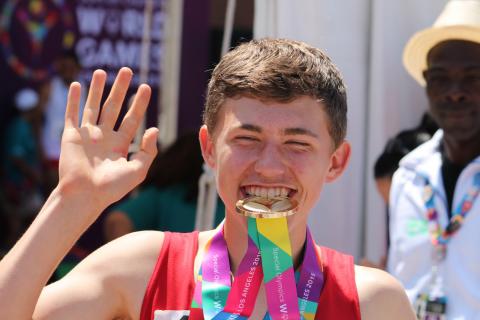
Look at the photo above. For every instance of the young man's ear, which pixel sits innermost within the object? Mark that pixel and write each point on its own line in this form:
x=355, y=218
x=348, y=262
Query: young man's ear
x=206, y=144
x=338, y=161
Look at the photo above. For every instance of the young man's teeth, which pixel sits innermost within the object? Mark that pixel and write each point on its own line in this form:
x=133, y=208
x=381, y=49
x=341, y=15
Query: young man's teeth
x=264, y=192
x=267, y=192
x=272, y=192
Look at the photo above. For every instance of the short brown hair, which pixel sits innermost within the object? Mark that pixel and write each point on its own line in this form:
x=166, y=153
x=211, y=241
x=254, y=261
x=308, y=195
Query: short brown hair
x=279, y=70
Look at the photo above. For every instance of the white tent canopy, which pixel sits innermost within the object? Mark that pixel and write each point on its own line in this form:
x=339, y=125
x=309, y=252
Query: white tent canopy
x=365, y=39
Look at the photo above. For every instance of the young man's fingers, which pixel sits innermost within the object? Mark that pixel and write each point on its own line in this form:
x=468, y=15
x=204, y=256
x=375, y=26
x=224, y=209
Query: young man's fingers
x=142, y=160
x=149, y=142
x=135, y=114
x=73, y=102
x=113, y=104
x=92, y=106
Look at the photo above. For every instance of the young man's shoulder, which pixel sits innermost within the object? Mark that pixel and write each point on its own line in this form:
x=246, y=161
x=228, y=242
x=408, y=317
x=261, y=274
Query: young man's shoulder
x=110, y=281
x=131, y=259
x=381, y=295
x=141, y=246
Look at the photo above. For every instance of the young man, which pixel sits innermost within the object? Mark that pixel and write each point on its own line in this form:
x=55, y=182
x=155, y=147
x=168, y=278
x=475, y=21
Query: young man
x=275, y=123
x=435, y=211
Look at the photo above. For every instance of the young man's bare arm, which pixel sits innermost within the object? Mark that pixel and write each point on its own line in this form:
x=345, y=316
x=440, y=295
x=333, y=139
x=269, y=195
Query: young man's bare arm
x=94, y=172
x=108, y=284
x=381, y=296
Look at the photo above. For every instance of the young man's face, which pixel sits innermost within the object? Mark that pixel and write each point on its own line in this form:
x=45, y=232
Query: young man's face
x=453, y=88
x=272, y=148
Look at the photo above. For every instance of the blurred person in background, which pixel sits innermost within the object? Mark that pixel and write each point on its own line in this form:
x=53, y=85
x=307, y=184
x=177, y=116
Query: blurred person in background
x=53, y=95
x=22, y=178
x=167, y=199
x=386, y=165
x=434, y=203
x=398, y=147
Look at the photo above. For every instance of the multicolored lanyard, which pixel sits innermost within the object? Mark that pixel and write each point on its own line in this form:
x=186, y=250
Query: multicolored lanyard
x=432, y=302
x=439, y=237
x=268, y=251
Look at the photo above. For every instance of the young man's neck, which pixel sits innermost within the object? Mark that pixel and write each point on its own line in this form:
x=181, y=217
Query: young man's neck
x=236, y=233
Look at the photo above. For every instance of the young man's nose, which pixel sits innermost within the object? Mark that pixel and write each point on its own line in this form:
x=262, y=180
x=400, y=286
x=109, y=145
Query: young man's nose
x=270, y=162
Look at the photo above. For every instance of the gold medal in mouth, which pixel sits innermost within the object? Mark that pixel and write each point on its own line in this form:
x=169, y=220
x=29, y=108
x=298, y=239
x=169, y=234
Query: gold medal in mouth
x=262, y=207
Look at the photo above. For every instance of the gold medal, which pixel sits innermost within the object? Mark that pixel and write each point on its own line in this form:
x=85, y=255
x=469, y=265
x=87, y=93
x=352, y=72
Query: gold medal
x=260, y=207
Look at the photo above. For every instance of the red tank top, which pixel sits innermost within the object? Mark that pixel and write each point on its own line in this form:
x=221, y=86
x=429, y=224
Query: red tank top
x=171, y=285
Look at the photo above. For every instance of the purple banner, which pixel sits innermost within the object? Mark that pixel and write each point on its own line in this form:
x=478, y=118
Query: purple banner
x=105, y=34
x=110, y=36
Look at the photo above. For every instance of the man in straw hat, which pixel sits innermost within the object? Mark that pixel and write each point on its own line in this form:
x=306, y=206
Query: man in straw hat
x=275, y=123
x=435, y=211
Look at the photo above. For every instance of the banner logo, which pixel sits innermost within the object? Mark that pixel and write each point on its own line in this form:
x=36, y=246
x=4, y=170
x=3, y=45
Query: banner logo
x=37, y=24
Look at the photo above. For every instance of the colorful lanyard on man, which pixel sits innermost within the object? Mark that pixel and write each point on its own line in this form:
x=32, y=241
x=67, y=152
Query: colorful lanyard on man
x=268, y=251
x=432, y=303
x=439, y=237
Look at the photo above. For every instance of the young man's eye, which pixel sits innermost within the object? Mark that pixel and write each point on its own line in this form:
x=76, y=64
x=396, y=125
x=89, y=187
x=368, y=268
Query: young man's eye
x=298, y=144
x=246, y=139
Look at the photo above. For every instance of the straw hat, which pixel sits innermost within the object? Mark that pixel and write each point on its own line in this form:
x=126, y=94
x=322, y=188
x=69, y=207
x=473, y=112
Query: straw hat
x=459, y=20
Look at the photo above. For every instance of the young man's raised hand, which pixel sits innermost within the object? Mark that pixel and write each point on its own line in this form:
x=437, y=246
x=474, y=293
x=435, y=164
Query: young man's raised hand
x=94, y=172
x=94, y=156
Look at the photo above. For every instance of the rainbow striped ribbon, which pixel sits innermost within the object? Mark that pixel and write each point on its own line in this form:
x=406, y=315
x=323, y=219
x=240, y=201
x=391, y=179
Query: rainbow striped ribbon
x=279, y=277
x=268, y=251
x=439, y=237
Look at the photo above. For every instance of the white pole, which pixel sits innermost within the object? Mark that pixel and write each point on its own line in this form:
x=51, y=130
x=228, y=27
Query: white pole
x=170, y=72
x=228, y=26
x=207, y=191
x=146, y=37
x=144, y=65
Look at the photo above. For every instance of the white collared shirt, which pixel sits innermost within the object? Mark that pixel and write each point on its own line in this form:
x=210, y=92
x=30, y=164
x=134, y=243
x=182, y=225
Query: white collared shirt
x=410, y=253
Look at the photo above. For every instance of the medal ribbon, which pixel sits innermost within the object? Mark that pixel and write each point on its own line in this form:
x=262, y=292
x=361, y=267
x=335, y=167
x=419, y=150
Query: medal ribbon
x=279, y=276
x=268, y=251
x=439, y=237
